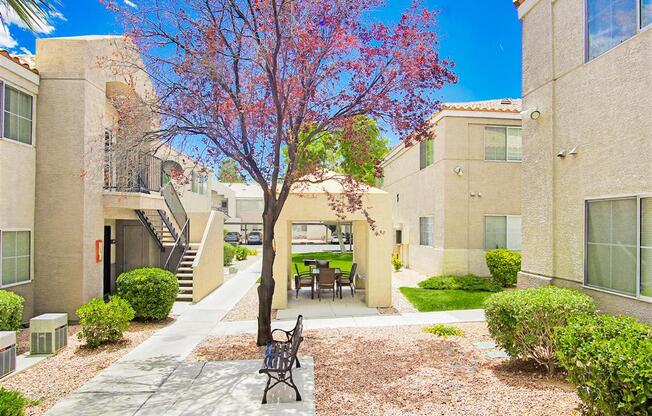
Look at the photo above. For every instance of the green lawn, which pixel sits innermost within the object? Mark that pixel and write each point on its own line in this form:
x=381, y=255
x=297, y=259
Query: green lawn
x=428, y=300
x=340, y=261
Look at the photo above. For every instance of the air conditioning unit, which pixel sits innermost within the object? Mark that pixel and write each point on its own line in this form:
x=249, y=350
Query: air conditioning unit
x=48, y=333
x=7, y=352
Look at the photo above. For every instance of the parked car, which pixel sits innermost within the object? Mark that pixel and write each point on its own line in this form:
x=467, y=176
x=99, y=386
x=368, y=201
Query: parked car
x=255, y=237
x=345, y=236
x=232, y=237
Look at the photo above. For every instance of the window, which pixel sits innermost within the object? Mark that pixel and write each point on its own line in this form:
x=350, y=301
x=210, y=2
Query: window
x=426, y=153
x=300, y=228
x=399, y=236
x=203, y=184
x=502, y=231
x=611, y=22
x=244, y=205
x=503, y=143
x=613, y=251
x=425, y=231
x=16, y=253
x=17, y=115
x=198, y=183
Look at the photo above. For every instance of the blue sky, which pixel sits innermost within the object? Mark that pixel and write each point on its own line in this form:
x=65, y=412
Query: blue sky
x=484, y=40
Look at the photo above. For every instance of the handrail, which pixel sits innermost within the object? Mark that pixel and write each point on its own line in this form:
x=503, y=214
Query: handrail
x=175, y=205
x=185, y=233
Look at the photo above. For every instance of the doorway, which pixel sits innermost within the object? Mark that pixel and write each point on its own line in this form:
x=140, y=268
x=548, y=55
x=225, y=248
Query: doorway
x=107, y=260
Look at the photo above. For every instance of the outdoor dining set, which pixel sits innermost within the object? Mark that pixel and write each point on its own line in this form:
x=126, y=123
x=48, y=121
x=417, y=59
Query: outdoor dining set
x=321, y=276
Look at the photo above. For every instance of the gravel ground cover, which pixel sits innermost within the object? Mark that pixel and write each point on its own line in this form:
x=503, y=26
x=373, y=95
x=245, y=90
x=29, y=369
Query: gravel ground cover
x=404, y=371
x=54, y=378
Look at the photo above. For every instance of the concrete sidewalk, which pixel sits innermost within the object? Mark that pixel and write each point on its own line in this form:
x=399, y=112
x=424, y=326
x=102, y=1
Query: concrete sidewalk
x=125, y=386
x=417, y=318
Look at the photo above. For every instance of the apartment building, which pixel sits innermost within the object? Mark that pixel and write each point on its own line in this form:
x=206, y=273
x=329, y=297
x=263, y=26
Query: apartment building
x=458, y=194
x=242, y=204
x=587, y=159
x=74, y=211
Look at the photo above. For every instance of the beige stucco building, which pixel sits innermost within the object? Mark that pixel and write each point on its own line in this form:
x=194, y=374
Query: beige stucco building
x=458, y=194
x=75, y=212
x=587, y=157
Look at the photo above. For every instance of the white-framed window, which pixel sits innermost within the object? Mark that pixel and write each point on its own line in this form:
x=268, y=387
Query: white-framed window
x=611, y=22
x=17, y=114
x=502, y=231
x=425, y=231
x=203, y=184
x=15, y=257
x=503, y=143
x=426, y=153
x=618, y=251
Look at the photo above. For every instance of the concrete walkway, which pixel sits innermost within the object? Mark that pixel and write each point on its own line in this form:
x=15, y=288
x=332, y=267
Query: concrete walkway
x=417, y=318
x=125, y=386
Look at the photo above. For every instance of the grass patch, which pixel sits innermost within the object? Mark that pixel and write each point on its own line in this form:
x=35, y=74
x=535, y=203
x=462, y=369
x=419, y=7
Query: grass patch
x=444, y=331
x=427, y=300
x=468, y=282
x=340, y=261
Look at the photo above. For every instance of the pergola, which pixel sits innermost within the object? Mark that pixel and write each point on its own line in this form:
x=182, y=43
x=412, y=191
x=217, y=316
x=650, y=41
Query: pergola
x=372, y=250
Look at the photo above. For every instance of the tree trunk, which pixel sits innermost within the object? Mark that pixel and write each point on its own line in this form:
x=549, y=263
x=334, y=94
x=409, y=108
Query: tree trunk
x=266, y=287
x=338, y=228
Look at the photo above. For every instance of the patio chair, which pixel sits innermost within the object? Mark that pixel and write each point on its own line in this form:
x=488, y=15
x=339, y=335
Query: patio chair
x=349, y=280
x=322, y=264
x=303, y=279
x=326, y=280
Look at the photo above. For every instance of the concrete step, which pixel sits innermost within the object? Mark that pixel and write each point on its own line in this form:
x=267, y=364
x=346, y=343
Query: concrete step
x=185, y=283
x=184, y=269
x=184, y=275
x=184, y=297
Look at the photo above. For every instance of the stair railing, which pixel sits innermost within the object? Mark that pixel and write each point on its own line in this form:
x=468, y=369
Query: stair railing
x=179, y=249
x=180, y=216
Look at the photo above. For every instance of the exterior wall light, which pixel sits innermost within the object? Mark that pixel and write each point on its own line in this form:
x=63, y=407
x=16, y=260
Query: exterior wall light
x=562, y=154
x=534, y=113
x=459, y=170
x=573, y=151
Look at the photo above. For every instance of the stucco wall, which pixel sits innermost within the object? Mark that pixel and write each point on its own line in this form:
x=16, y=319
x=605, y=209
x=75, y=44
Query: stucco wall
x=208, y=268
x=602, y=107
x=458, y=236
x=18, y=175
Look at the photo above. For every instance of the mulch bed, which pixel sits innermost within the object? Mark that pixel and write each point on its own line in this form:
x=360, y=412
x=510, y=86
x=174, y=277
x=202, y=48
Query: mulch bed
x=54, y=378
x=404, y=371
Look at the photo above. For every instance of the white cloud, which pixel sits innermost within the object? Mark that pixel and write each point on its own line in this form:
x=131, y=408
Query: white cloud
x=25, y=51
x=131, y=4
x=9, y=18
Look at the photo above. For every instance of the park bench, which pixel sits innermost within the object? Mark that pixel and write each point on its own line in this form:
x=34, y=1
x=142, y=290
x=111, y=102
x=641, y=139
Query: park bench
x=280, y=358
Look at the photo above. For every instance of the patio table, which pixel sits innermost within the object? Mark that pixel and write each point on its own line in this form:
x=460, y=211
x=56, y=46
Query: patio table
x=315, y=276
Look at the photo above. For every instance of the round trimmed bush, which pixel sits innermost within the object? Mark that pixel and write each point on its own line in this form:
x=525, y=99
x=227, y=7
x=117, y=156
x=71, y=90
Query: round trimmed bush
x=104, y=322
x=504, y=266
x=241, y=253
x=150, y=291
x=12, y=403
x=11, y=311
x=229, y=253
x=523, y=321
x=609, y=360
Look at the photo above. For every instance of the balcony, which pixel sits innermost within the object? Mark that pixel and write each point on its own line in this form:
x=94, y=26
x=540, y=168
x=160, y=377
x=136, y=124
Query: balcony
x=130, y=171
x=132, y=181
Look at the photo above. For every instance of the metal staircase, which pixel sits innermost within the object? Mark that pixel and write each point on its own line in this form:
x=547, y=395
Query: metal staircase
x=159, y=226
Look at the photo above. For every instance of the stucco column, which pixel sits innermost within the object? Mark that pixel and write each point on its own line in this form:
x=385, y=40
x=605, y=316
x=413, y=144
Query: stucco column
x=282, y=262
x=379, y=271
x=360, y=256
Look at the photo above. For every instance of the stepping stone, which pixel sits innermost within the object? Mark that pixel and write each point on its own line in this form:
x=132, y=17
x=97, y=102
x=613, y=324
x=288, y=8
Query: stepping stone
x=487, y=345
x=497, y=354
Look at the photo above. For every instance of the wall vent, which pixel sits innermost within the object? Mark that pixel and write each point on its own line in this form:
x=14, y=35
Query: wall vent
x=49, y=333
x=506, y=101
x=7, y=352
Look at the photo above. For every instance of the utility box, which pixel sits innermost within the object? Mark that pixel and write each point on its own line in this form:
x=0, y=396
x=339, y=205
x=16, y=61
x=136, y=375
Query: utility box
x=48, y=333
x=7, y=352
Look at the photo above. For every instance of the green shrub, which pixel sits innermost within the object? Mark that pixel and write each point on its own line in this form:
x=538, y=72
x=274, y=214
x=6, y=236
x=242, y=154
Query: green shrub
x=396, y=262
x=104, y=322
x=504, y=265
x=469, y=282
x=522, y=321
x=241, y=253
x=12, y=403
x=229, y=253
x=609, y=360
x=11, y=311
x=444, y=331
x=150, y=291
x=252, y=251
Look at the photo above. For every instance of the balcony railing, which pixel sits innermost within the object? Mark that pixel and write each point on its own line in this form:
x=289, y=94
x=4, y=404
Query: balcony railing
x=131, y=171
